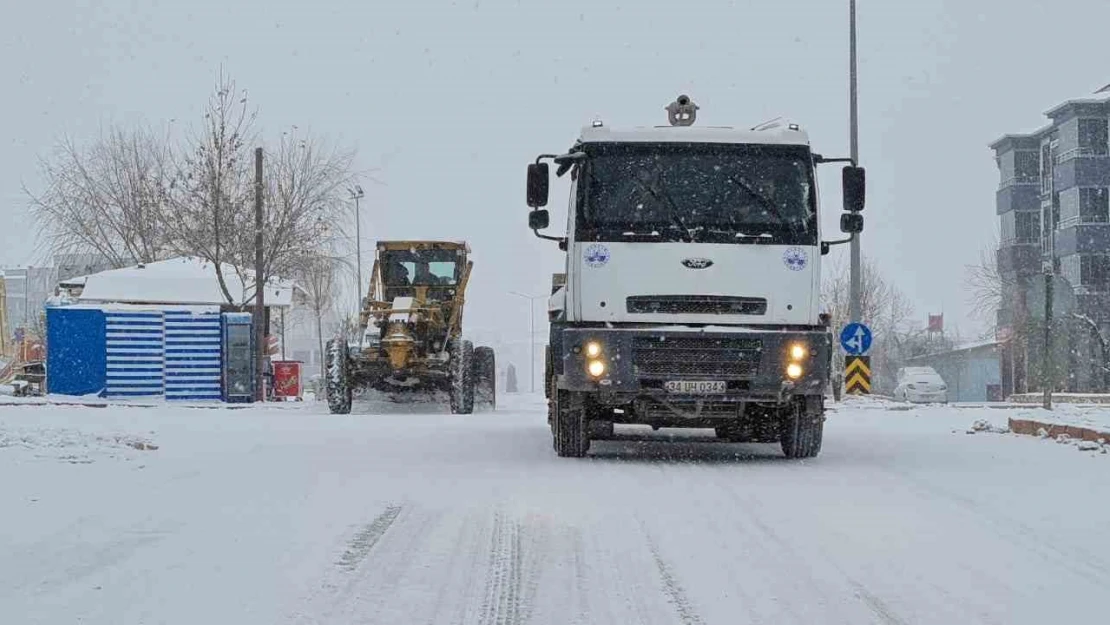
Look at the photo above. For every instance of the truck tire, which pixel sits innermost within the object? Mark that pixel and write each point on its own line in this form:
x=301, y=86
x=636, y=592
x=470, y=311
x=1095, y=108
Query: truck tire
x=802, y=428
x=462, y=377
x=572, y=436
x=338, y=370
x=549, y=387
x=485, y=377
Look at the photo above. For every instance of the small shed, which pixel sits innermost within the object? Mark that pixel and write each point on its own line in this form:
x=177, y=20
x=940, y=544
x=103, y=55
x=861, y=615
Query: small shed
x=150, y=330
x=122, y=351
x=973, y=372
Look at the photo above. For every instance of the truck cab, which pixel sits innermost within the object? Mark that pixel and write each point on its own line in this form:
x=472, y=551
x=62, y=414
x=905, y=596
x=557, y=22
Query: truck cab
x=690, y=295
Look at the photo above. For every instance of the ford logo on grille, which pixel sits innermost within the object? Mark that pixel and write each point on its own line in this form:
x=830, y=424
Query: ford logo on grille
x=697, y=263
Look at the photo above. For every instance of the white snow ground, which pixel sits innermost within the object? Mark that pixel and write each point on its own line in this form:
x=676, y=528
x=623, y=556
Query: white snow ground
x=295, y=516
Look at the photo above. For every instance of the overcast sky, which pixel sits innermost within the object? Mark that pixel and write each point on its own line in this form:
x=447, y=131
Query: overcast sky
x=450, y=101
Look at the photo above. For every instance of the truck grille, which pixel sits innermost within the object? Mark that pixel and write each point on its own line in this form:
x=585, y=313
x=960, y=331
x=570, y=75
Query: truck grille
x=696, y=357
x=696, y=305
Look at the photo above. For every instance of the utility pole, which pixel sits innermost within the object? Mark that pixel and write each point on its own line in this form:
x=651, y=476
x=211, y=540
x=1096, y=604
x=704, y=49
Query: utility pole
x=531, y=333
x=357, y=194
x=855, y=290
x=259, y=290
x=1046, y=377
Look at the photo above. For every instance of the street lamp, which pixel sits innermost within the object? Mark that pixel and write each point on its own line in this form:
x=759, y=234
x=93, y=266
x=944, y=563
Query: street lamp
x=855, y=276
x=531, y=332
x=356, y=195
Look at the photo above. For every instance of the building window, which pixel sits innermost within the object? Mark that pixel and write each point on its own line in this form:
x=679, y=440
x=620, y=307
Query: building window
x=1095, y=271
x=1094, y=205
x=1027, y=166
x=1090, y=271
x=1046, y=168
x=1093, y=137
x=1021, y=227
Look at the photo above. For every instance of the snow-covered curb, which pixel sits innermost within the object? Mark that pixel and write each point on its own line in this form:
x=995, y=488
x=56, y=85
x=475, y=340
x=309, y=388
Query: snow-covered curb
x=1034, y=427
x=1088, y=428
x=1062, y=398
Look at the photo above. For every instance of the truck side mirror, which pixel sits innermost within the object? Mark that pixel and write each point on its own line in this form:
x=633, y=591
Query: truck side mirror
x=538, y=219
x=851, y=223
x=538, y=178
x=853, y=181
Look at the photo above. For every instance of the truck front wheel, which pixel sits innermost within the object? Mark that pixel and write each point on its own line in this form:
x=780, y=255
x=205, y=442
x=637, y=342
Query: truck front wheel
x=571, y=432
x=338, y=382
x=461, y=376
x=802, y=427
x=485, y=377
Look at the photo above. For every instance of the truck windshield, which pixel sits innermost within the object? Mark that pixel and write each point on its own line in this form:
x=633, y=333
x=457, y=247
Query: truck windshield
x=711, y=193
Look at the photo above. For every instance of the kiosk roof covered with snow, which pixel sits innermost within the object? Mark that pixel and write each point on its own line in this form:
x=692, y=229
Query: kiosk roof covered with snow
x=187, y=281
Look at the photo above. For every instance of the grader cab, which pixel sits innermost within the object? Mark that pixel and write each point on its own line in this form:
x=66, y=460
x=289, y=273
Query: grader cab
x=410, y=331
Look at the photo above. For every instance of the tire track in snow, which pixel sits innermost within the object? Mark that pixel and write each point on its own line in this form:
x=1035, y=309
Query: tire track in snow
x=877, y=606
x=360, y=592
x=359, y=546
x=503, y=603
x=676, y=594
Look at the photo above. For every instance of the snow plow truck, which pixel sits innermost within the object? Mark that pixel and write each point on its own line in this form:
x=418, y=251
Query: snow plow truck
x=691, y=295
x=410, y=337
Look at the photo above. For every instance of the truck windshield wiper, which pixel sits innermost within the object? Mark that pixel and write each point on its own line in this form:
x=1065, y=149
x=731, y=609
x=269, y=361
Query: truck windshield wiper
x=672, y=210
x=766, y=203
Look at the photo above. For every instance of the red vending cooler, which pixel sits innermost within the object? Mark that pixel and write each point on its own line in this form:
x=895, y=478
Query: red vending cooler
x=287, y=380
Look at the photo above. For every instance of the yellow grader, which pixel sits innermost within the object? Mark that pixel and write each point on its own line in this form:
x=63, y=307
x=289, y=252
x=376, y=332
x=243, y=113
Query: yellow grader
x=410, y=332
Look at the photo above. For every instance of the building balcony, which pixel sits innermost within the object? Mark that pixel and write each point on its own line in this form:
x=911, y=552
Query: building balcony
x=1083, y=169
x=1019, y=258
x=1018, y=197
x=1082, y=239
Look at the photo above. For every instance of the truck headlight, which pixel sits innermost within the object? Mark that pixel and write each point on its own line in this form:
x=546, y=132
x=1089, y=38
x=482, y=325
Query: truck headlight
x=798, y=351
x=596, y=368
x=593, y=349
x=793, y=371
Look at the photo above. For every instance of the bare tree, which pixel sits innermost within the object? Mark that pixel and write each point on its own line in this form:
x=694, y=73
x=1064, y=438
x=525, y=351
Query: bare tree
x=107, y=198
x=987, y=286
x=213, y=191
x=884, y=308
x=317, y=276
x=305, y=181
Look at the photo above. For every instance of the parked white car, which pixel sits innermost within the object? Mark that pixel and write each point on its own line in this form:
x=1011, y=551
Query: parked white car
x=920, y=385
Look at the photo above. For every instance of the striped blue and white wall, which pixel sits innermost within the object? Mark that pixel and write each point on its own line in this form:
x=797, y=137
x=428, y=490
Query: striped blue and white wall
x=192, y=345
x=118, y=352
x=134, y=346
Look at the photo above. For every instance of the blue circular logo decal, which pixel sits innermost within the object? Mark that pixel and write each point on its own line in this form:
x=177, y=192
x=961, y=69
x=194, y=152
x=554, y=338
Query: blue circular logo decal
x=596, y=255
x=795, y=258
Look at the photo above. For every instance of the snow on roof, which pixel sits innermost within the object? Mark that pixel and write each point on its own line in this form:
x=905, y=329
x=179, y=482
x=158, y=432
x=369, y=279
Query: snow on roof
x=189, y=281
x=1076, y=102
x=774, y=133
x=966, y=347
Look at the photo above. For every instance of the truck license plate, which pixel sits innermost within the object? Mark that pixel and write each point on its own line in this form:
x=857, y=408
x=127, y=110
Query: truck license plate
x=694, y=387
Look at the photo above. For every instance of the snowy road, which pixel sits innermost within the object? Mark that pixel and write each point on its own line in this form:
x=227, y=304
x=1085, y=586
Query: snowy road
x=289, y=516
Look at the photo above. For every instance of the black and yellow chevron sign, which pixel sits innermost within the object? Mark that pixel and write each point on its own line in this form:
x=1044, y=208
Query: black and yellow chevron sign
x=857, y=375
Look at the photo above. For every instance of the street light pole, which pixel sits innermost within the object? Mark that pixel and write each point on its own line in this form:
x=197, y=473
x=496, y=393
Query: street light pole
x=855, y=279
x=531, y=334
x=356, y=195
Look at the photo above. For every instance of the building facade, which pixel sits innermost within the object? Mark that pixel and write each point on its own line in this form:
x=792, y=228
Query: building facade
x=972, y=372
x=1053, y=204
x=27, y=288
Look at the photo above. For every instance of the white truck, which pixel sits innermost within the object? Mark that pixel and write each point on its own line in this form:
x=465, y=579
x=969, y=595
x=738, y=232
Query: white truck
x=691, y=290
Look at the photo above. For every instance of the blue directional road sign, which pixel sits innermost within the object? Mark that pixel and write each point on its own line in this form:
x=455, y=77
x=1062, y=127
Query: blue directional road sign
x=855, y=338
